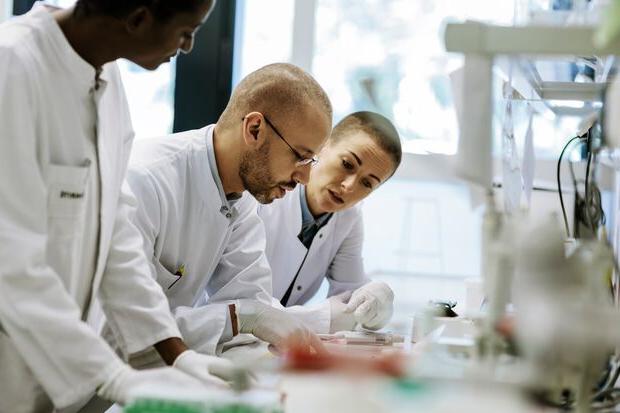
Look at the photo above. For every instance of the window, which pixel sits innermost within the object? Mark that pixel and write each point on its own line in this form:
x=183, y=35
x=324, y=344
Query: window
x=421, y=236
x=151, y=97
x=386, y=56
x=262, y=34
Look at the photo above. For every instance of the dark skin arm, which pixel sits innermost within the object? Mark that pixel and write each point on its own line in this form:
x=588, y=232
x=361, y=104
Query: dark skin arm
x=170, y=348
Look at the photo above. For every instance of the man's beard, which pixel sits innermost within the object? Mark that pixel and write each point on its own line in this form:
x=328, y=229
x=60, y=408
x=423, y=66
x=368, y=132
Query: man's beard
x=255, y=174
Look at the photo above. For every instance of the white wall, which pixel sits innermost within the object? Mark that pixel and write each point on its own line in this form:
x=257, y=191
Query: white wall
x=5, y=9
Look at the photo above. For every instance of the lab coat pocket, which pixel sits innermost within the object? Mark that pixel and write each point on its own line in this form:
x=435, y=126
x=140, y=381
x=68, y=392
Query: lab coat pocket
x=165, y=278
x=66, y=210
x=66, y=191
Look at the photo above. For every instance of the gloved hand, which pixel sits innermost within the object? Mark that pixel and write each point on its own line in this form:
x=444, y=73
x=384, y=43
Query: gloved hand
x=372, y=305
x=339, y=318
x=207, y=369
x=125, y=383
x=275, y=326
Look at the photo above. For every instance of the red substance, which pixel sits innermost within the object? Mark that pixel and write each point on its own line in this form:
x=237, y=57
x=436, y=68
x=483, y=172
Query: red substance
x=391, y=364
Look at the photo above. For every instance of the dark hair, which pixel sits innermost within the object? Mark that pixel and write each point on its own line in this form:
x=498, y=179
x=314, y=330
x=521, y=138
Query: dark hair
x=163, y=10
x=377, y=126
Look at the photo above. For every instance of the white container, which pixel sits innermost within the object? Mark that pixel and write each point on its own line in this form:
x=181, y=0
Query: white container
x=453, y=327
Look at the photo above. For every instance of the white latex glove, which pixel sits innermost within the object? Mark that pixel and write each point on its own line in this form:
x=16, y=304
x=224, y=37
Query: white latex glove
x=339, y=318
x=372, y=305
x=275, y=326
x=210, y=370
x=126, y=383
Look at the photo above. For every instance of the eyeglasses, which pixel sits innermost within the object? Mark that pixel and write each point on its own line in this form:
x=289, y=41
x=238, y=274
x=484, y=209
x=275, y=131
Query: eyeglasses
x=301, y=160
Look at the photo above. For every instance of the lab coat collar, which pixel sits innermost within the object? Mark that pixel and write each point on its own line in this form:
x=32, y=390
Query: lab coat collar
x=227, y=208
x=81, y=71
x=293, y=206
x=306, y=215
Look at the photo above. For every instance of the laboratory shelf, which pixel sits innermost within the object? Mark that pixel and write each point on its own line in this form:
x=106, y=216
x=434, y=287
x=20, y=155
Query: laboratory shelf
x=483, y=38
x=515, y=50
x=533, y=61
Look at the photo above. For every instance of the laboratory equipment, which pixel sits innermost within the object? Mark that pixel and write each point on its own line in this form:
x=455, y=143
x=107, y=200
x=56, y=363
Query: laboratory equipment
x=362, y=337
x=444, y=308
x=497, y=270
x=566, y=326
x=564, y=308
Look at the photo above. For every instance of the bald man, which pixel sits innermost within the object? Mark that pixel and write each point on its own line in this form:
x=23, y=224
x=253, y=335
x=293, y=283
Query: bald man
x=197, y=193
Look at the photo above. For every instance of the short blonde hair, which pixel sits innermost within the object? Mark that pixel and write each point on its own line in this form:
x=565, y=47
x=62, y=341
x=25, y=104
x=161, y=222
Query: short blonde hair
x=377, y=126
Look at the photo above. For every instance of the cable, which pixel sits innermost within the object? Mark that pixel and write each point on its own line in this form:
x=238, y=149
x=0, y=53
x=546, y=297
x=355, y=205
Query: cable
x=608, y=387
x=593, y=207
x=560, y=183
x=591, y=210
x=587, y=219
x=587, y=187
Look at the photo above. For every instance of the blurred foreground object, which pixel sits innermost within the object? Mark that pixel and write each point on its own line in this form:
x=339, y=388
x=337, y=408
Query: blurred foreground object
x=166, y=400
x=391, y=364
x=565, y=322
x=362, y=338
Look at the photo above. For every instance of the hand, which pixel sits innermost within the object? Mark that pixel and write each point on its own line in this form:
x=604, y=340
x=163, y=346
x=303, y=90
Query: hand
x=210, y=370
x=339, y=318
x=372, y=305
x=275, y=326
x=127, y=383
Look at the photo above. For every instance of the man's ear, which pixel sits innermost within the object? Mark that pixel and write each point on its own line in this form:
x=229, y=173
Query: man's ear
x=139, y=20
x=253, y=129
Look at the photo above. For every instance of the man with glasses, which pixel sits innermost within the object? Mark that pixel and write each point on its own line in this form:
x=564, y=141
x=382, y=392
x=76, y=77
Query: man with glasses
x=197, y=211
x=301, y=160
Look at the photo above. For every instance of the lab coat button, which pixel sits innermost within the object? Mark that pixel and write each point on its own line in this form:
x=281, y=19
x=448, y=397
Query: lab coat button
x=299, y=288
x=320, y=235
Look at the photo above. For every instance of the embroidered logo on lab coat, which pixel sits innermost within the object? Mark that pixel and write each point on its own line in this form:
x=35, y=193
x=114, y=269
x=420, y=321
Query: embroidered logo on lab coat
x=71, y=195
x=180, y=272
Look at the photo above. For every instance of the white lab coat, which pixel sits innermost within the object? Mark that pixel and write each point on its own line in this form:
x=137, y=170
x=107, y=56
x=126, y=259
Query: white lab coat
x=335, y=254
x=48, y=354
x=183, y=223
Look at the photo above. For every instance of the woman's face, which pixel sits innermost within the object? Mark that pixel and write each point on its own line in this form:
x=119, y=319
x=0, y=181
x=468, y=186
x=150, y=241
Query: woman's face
x=348, y=170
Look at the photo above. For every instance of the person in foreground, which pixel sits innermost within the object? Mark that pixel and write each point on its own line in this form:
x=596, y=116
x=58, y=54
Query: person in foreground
x=197, y=193
x=65, y=233
x=316, y=233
